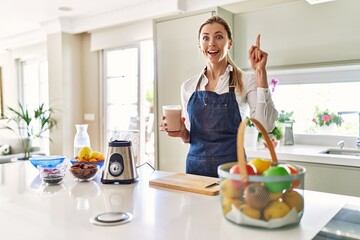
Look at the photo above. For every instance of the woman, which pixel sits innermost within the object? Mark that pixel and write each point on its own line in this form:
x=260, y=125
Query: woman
x=216, y=101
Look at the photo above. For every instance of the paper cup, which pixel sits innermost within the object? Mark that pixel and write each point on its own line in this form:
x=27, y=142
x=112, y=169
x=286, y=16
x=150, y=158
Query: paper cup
x=173, y=117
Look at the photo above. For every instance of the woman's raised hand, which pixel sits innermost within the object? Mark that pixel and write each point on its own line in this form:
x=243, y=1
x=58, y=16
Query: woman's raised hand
x=257, y=57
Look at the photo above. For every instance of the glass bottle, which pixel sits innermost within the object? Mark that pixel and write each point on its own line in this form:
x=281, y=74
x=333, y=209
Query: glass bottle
x=81, y=138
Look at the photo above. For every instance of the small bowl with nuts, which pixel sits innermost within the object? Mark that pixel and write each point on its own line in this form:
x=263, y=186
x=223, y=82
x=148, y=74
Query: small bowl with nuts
x=84, y=172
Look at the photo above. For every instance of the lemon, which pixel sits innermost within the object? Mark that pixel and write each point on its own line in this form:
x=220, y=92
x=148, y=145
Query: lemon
x=275, y=210
x=294, y=200
x=227, y=204
x=260, y=164
x=249, y=211
x=85, y=153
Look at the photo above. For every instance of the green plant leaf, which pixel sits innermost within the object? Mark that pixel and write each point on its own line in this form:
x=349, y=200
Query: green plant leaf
x=30, y=124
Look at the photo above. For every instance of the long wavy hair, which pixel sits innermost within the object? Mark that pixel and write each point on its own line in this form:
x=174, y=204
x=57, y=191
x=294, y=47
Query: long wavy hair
x=237, y=73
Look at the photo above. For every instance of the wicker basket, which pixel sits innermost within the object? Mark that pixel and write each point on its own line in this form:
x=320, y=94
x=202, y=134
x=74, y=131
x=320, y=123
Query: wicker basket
x=268, y=200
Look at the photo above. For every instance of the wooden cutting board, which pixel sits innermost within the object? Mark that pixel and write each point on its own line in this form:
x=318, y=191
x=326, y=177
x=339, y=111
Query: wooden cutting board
x=188, y=182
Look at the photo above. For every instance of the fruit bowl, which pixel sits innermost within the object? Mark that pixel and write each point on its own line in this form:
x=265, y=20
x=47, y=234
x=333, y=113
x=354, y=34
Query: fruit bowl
x=97, y=163
x=52, y=175
x=83, y=171
x=46, y=161
x=261, y=193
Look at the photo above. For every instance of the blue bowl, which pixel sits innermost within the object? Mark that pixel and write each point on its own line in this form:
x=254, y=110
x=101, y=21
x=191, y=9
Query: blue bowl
x=47, y=161
x=98, y=163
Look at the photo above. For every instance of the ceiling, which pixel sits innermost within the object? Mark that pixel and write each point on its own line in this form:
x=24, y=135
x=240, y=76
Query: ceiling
x=31, y=20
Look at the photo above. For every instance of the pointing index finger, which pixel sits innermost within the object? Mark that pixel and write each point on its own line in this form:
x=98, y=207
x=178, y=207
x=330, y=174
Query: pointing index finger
x=258, y=41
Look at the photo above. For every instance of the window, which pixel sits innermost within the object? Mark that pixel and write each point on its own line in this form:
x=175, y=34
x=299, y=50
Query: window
x=128, y=97
x=34, y=90
x=335, y=89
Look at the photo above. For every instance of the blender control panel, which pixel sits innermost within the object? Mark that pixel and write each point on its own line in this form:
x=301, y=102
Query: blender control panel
x=116, y=165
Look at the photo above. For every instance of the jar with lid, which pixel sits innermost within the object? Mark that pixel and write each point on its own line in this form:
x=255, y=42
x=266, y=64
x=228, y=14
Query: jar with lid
x=81, y=138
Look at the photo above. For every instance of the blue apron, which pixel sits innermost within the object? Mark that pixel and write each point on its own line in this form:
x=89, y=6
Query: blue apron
x=214, y=120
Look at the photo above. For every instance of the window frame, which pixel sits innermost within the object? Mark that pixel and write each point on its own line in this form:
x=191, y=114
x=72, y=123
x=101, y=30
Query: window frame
x=330, y=73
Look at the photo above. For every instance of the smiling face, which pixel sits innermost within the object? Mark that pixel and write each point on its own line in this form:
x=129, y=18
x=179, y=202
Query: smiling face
x=214, y=42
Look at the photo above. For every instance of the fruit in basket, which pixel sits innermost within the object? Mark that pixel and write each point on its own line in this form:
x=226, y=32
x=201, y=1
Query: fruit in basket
x=227, y=204
x=278, y=186
x=249, y=211
x=85, y=153
x=251, y=170
x=260, y=164
x=276, y=209
x=293, y=171
x=275, y=196
x=294, y=200
x=228, y=190
x=256, y=196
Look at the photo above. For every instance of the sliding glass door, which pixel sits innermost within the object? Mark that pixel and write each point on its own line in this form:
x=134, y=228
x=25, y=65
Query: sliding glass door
x=128, y=76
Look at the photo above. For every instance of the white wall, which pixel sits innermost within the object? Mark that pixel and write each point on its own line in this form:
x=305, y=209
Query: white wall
x=9, y=80
x=178, y=58
x=121, y=36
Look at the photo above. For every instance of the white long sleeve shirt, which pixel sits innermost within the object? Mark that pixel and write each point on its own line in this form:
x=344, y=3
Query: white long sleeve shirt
x=256, y=102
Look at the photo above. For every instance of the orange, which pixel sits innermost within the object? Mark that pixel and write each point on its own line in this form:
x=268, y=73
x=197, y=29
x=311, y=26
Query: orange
x=293, y=171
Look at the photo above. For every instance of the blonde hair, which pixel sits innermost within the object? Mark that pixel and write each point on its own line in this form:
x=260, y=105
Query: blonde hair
x=237, y=73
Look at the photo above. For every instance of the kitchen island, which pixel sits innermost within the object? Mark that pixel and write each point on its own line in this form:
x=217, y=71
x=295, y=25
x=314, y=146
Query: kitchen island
x=31, y=210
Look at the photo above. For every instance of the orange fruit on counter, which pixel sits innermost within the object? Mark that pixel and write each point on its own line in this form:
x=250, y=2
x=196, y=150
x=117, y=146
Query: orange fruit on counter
x=260, y=164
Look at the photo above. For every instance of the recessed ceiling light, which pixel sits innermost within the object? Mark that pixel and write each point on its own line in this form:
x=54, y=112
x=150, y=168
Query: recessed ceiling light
x=318, y=1
x=65, y=9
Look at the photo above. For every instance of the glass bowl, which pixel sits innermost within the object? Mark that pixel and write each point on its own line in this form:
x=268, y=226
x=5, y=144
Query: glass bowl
x=84, y=171
x=97, y=163
x=47, y=161
x=52, y=175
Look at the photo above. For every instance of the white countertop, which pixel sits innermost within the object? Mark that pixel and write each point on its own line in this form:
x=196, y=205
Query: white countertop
x=31, y=210
x=305, y=153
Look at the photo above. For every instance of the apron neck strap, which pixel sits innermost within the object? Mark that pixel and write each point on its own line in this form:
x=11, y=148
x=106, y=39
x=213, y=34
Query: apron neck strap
x=231, y=81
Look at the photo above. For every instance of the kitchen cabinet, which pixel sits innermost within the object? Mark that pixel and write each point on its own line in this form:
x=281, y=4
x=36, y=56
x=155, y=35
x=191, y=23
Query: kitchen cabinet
x=327, y=33
x=331, y=178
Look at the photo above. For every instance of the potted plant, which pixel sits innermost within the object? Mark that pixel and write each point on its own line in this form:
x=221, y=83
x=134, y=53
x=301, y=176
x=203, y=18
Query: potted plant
x=285, y=117
x=30, y=126
x=275, y=136
x=278, y=132
x=326, y=118
x=327, y=121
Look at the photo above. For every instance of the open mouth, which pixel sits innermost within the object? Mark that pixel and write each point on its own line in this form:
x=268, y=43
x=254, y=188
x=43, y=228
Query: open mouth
x=213, y=52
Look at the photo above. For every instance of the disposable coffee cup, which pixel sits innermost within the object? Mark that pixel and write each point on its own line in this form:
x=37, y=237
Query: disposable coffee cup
x=173, y=117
